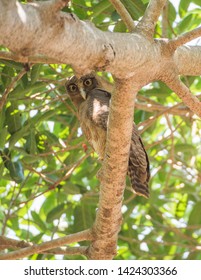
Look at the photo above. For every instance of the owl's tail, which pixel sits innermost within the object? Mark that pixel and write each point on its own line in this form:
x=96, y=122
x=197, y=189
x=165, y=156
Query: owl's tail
x=138, y=165
x=140, y=187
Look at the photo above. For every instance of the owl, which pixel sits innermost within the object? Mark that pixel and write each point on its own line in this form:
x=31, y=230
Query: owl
x=93, y=103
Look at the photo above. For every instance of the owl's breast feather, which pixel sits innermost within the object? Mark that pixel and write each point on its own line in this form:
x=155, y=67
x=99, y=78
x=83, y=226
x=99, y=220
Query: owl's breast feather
x=95, y=135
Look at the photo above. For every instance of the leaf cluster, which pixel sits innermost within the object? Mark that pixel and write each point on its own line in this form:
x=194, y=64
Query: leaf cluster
x=48, y=184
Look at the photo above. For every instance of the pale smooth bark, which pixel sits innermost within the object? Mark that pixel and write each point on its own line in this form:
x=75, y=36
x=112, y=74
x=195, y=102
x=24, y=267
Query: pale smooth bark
x=125, y=16
x=71, y=41
x=113, y=173
x=27, y=251
x=40, y=30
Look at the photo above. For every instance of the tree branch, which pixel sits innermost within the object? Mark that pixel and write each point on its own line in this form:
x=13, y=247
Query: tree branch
x=76, y=237
x=113, y=172
x=74, y=41
x=9, y=88
x=134, y=59
x=6, y=243
x=187, y=59
x=148, y=107
x=148, y=22
x=124, y=14
x=185, y=38
x=54, y=184
x=12, y=243
x=186, y=96
x=81, y=250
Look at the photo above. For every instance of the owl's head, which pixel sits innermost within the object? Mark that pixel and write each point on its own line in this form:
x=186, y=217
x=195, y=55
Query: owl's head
x=78, y=89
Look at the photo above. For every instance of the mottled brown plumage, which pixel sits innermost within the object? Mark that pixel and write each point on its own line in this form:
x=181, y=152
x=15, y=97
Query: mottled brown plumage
x=92, y=103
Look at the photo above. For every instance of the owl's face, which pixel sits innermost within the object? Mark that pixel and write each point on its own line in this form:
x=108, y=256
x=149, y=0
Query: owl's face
x=78, y=89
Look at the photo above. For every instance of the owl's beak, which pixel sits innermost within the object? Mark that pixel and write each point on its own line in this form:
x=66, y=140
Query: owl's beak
x=83, y=93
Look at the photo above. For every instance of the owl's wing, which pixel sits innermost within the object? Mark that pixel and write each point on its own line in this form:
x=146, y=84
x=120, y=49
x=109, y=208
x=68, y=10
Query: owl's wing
x=138, y=166
x=98, y=107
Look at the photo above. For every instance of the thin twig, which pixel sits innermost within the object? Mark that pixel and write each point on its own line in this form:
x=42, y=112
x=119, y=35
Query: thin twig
x=124, y=14
x=181, y=111
x=165, y=21
x=6, y=243
x=24, y=252
x=172, y=152
x=147, y=123
x=10, y=87
x=54, y=184
x=185, y=38
x=186, y=96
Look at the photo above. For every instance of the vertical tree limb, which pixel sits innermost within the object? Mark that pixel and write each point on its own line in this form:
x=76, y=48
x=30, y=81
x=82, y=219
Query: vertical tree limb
x=113, y=173
x=148, y=22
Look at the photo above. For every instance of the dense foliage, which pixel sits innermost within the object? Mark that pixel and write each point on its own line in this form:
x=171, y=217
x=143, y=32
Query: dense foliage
x=48, y=184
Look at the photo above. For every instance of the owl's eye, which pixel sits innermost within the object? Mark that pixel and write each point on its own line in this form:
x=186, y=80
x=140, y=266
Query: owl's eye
x=88, y=82
x=72, y=88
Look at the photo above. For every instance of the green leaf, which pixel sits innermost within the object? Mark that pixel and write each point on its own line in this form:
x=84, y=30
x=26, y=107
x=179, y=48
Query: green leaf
x=35, y=72
x=181, y=206
x=120, y=27
x=19, y=91
x=3, y=136
x=195, y=217
x=14, y=223
x=197, y=2
x=16, y=170
x=24, y=81
x=2, y=117
x=49, y=203
x=135, y=8
x=184, y=24
x=171, y=12
x=29, y=159
x=183, y=7
x=70, y=188
x=186, y=148
x=84, y=216
x=7, y=74
x=12, y=64
x=79, y=10
x=100, y=7
x=37, y=238
x=31, y=146
x=38, y=221
x=56, y=212
x=18, y=135
x=48, y=144
x=14, y=118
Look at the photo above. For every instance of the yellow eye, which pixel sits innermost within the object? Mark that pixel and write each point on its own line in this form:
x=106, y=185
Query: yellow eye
x=88, y=82
x=72, y=88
